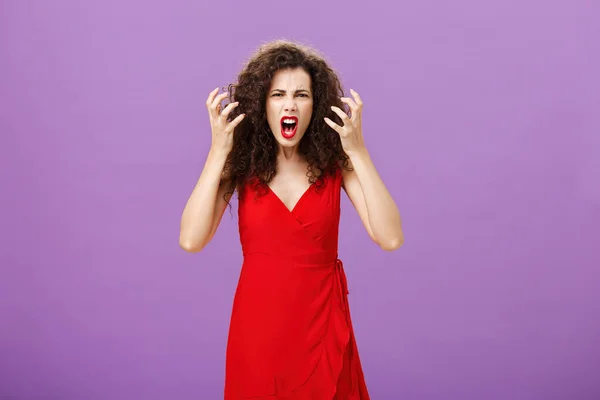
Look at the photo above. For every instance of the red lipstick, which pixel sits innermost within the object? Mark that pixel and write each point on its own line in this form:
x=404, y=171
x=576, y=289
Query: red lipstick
x=289, y=127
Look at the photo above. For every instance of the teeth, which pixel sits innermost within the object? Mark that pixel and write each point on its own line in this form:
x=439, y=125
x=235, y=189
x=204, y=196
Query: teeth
x=289, y=121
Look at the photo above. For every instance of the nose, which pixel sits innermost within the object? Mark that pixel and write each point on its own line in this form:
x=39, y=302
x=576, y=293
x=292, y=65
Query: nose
x=290, y=104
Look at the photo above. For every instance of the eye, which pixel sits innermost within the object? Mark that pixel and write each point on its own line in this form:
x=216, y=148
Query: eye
x=277, y=94
x=303, y=95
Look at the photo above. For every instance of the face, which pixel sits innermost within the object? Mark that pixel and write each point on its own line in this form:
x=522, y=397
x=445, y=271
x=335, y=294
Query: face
x=289, y=105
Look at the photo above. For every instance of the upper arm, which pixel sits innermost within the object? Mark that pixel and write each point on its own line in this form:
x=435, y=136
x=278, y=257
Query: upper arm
x=352, y=187
x=220, y=205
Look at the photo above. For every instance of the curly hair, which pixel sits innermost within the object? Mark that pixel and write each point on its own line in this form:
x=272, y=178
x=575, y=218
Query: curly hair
x=253, y=157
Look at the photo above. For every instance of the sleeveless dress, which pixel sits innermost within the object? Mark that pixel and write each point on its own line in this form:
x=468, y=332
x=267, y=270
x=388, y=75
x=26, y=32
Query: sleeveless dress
x=290, y=334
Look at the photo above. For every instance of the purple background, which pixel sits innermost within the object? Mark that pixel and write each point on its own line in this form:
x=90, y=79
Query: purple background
x=482, y=118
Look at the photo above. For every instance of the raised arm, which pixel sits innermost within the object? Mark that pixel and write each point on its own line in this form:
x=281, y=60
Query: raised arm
x=364, y=186
x=205, y=207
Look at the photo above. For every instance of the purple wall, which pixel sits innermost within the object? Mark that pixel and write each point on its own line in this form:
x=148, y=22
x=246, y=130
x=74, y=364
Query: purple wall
x=482, y=117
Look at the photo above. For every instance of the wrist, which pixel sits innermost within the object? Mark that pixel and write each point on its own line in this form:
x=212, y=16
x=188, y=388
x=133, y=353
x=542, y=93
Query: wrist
x=358, y=154
x=217, y=153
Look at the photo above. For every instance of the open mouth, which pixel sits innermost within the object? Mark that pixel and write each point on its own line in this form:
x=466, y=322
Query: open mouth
x=289, y=126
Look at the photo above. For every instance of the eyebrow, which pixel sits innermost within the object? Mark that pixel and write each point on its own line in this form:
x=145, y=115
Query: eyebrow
x=283, y=91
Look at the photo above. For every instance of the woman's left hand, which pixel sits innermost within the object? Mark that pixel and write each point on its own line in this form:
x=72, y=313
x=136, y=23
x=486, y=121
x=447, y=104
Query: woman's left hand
x=351, y=132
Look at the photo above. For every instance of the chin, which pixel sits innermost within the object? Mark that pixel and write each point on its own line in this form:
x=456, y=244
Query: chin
x=285, y=142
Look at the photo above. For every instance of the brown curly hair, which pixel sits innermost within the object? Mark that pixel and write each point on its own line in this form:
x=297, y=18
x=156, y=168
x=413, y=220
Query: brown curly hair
x=254, y=153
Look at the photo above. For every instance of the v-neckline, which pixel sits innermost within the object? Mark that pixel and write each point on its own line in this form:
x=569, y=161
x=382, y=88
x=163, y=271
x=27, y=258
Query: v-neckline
x=278, y=199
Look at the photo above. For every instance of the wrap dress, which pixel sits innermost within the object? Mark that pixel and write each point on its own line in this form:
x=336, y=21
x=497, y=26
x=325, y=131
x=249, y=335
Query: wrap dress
x=290, y=334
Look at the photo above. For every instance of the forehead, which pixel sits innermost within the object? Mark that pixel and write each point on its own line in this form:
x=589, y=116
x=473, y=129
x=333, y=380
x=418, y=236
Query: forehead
x=291, y=79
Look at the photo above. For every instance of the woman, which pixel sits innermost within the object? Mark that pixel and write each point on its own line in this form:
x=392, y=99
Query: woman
x=287, y=147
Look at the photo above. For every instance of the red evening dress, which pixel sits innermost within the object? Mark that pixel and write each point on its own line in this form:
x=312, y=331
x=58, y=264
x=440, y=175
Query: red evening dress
x=290, y=335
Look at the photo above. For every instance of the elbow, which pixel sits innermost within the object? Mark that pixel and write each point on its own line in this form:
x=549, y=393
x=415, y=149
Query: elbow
x=190, y=246
x=392, y=244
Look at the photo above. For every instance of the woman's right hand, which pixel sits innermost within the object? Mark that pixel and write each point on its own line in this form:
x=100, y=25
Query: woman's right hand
x=222, y=131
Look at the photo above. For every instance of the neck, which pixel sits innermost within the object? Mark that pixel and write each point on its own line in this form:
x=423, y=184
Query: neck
x=288, y=154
